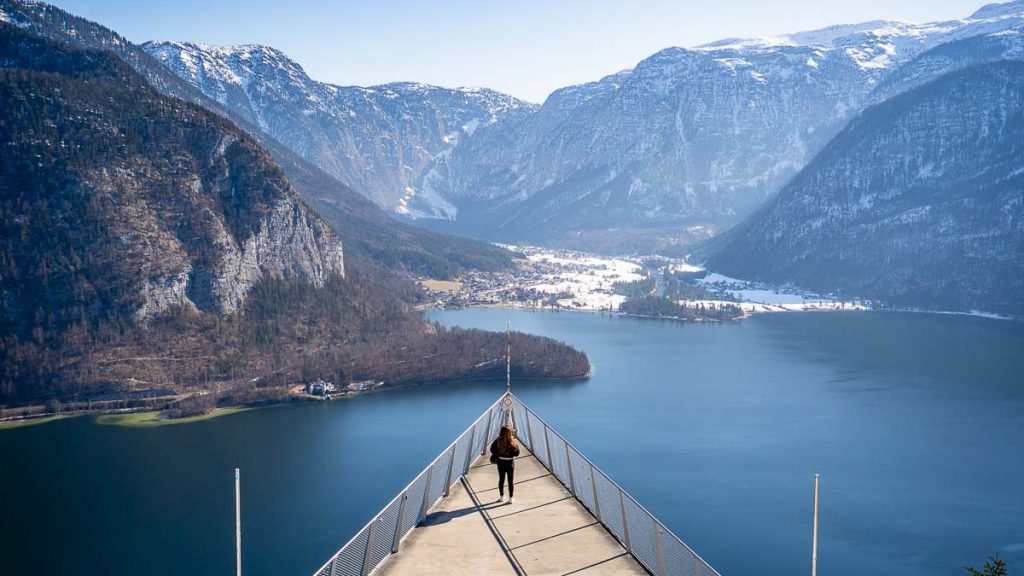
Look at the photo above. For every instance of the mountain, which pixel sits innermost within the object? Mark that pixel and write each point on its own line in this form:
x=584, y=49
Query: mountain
x=918, y=203
x=1006, y=44
x=378, y=140
x=117, y=198
x=683, y=145
x=150, y=246
x=366, y=230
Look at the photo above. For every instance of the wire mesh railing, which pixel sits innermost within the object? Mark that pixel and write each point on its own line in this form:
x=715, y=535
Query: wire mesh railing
x=659, y=550
x=648, y=540
x=381, y=536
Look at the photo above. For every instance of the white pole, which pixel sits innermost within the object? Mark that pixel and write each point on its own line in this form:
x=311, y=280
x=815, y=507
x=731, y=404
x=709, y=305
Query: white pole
x=814, y=541
x=508, y=355
x=238, y=525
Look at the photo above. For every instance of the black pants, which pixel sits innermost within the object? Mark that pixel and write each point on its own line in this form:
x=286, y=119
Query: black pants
x=506, y=468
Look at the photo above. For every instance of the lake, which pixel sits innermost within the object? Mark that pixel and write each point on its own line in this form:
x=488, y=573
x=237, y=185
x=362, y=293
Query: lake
x=914, y=421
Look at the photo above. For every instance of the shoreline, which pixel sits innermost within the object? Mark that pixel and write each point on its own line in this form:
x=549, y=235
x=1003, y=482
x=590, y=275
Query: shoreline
x=746, y=313
x=153, y=418
x=148, y=418
x=13, y=423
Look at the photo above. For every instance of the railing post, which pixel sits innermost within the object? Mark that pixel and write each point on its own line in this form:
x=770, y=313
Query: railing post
x=593, y=487
x=469, y=451
x=487, y=432
x=547, y=444
x=529, y=431
x=661, y=550
x=625, y=525
x=426, y=496
x=369, y=547
x=398, y=525
x=568, y=464
x=451, y=462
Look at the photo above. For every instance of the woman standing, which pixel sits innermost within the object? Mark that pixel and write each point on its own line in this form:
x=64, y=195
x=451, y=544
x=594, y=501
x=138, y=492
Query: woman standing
x=505, y=450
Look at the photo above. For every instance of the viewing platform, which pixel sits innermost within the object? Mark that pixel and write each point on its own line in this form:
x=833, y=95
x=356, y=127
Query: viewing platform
x=568, y=516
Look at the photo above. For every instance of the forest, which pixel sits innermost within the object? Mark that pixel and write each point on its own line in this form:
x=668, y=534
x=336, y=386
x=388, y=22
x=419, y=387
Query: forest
x=663, y=307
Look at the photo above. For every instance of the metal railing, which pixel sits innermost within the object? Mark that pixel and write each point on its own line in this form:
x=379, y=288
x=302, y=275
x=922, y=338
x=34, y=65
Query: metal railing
x=648, y=540
x=383, y=533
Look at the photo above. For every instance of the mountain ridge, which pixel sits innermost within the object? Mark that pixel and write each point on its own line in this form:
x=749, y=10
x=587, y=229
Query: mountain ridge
x=918, y=203
x=691, y=139
x=377, y=139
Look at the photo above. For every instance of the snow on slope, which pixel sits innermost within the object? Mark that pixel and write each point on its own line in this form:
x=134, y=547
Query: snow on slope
x=698, y=136
x=377, y=139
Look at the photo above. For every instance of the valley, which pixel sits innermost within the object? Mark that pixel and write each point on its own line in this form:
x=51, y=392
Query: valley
x=555, y=279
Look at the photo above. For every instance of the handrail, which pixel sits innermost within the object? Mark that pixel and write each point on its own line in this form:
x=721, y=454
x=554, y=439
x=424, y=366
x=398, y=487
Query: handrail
x=621, y=531
x=365, y=551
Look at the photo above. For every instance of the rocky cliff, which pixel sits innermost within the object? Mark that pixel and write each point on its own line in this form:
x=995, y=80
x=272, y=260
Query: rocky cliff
x=118, y=199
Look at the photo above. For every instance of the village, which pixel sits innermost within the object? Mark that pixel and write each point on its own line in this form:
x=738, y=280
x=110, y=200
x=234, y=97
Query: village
x=554, y=279
x=544, y=278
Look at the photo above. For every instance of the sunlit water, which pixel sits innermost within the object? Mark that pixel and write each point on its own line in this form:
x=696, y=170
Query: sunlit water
x=915, y=422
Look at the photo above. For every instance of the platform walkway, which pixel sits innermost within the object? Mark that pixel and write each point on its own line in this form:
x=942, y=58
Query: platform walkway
x=546, y=531
x=569, y=516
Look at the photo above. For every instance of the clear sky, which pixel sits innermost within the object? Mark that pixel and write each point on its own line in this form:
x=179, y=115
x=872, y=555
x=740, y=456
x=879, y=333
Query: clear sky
x=526, y=48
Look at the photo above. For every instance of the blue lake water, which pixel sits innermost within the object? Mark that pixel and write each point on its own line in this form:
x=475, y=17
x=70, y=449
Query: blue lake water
x=915, y=422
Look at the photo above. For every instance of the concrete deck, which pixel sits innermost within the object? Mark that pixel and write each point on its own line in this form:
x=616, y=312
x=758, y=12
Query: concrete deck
x=546, y=531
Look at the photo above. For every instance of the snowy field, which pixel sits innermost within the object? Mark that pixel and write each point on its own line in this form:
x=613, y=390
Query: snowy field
x=581, y=281
x=589, y=278
x=754, y=298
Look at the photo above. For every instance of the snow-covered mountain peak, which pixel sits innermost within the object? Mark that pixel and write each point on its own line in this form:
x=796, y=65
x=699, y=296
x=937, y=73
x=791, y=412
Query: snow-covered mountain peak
x=378, y=139
x=999, y=10
x=229, y=63
x=900, y=36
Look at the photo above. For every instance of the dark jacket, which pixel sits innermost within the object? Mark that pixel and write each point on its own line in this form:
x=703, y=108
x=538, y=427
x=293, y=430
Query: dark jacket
x=508, y=455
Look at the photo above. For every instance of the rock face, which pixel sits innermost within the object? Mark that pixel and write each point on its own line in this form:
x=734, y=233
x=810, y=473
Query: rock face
x=378, y=140
x=688, y=138
x=119, y=201
x=919, y=202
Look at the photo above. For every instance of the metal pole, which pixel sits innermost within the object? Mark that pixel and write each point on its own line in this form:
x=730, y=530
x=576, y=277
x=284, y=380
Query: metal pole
x=660, y=549
x=529, y=432
x=469, y=451
x=398, y=525
x=508, y=355
x=593, y=487
x=448, y=477
x=487, y=433
x=547, y=444
x=814, y=541
x=426, y=496
x=238, y=523
x=568, y=464
x=625, y=525
x=369, y=548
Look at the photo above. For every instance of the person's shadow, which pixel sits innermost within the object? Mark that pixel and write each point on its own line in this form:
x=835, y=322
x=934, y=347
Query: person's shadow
x=435, y=518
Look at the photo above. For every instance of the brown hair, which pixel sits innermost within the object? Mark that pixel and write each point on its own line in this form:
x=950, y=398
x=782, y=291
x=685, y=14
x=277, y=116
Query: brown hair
x=506, y=441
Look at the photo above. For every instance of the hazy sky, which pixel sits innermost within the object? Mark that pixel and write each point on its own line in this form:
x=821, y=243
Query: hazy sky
x=524, y=47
